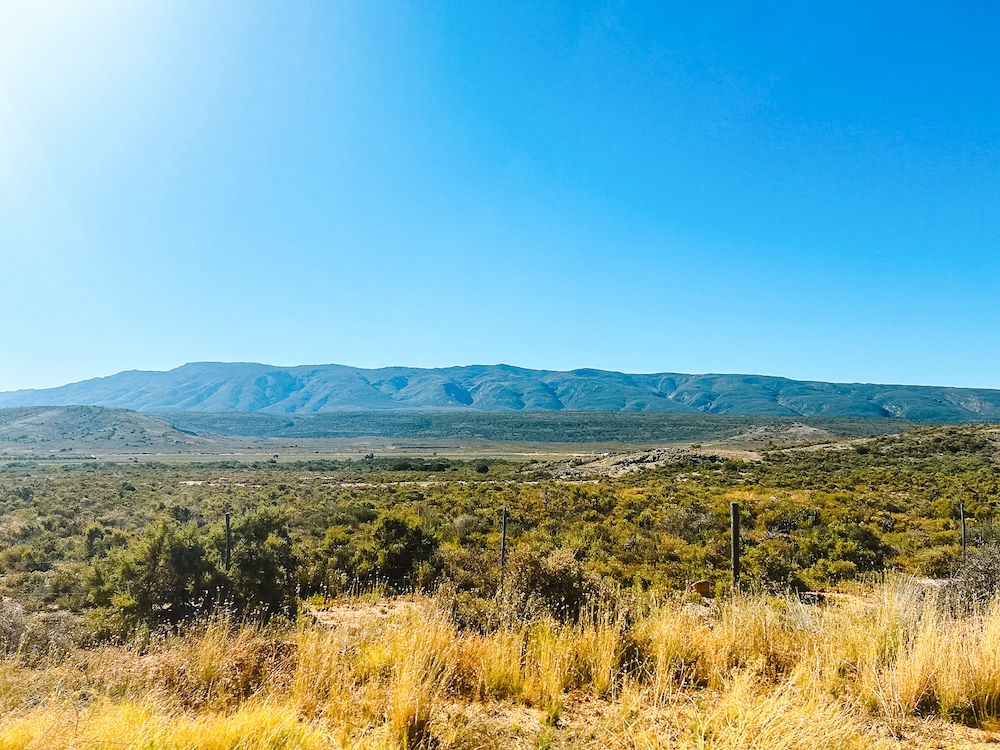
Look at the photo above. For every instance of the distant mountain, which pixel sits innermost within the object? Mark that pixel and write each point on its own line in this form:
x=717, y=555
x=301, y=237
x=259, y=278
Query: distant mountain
x=248, y=387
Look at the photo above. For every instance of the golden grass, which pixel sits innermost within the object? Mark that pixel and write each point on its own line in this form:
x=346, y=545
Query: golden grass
x=144, y=725
x=749, y=672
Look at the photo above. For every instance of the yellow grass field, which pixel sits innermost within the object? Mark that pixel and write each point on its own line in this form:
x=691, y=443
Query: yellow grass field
x=889, y=669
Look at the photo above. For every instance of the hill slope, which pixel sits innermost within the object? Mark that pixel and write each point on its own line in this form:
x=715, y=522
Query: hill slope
x=91, y=428
x=248, y=387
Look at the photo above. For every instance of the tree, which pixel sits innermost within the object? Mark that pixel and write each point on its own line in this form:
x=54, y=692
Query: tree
x=162, y=577
x=398, y=547
x=262, y=575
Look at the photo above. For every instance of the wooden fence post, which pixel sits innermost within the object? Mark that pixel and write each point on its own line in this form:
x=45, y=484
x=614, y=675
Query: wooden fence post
x=734, y=521
x=229, y=542
x=503, y=545
x=961, y=510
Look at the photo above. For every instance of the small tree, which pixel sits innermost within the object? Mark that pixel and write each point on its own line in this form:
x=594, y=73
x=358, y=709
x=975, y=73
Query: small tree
x=262, y=575
x=162, y=577
x=399, y=546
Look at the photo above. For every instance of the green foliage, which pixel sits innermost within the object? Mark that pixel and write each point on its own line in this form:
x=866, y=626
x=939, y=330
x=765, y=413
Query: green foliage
x=162, y=577
x=99, y=540
x=772, y=564
x=526, y=426
x=263, y=573
x=171, y=573
x=398, y=549
x=151, y=535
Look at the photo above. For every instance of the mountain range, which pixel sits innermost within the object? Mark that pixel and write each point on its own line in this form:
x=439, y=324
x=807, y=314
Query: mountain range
x=311, y=389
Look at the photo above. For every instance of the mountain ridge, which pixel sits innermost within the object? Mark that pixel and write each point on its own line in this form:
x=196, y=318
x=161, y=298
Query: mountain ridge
x=256, y=387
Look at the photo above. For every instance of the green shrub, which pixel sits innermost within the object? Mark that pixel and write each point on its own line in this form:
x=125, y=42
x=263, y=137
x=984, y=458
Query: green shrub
x=262, y=575
x=163, y=577
x=397, y=549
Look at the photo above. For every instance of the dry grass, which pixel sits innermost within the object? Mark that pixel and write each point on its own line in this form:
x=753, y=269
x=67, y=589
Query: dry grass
x=890, y=670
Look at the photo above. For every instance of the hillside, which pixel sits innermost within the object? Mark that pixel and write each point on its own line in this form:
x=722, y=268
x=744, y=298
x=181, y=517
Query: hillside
x=584, y=637
x=76, y=429
x=248, y=387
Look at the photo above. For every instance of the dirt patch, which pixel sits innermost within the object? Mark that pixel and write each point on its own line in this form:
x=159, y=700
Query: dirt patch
x=357, y=614
x=780, y=436
x=621, y=464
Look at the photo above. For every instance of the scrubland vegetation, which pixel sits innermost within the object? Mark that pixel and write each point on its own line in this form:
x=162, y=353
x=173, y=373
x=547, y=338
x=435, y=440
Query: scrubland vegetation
x=514, y=427
x=363, y=604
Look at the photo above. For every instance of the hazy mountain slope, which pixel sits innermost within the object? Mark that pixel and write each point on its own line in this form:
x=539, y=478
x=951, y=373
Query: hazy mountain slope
x=248, y=387
x=91, y=428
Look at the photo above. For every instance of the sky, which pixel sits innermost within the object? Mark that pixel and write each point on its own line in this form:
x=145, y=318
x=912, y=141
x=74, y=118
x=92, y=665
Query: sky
x=809, y=190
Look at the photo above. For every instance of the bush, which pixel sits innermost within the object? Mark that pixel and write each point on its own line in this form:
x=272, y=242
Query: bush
x=13, y=622
x=939, y=562
x=163, y=577
x=262, y=577
x=537, y=584
x=977, y=579
x=771, y=565
x=469, y=569
x=398, y=549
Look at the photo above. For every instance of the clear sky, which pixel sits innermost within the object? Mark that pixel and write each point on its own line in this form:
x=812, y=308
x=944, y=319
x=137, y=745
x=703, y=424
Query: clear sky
x=801, y=189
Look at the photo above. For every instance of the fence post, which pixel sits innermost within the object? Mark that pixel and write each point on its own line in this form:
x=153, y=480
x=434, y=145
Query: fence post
x=734, y=521
x=229, y=542
x=961, y=510
x=503, y=545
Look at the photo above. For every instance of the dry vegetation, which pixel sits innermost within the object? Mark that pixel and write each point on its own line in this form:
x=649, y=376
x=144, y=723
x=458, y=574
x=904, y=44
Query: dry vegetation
x=125, y=624
x=892, y=668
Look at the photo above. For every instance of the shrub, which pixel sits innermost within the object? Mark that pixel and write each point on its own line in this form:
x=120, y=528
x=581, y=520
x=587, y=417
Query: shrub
x=977, y=579
x=13, y=622
x=537, y=583
x=262, y=574
x=163, y=577
x=398, y=548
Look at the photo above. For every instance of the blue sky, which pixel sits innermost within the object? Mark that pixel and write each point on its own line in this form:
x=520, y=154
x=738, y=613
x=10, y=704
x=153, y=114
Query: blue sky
x=803, y=189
